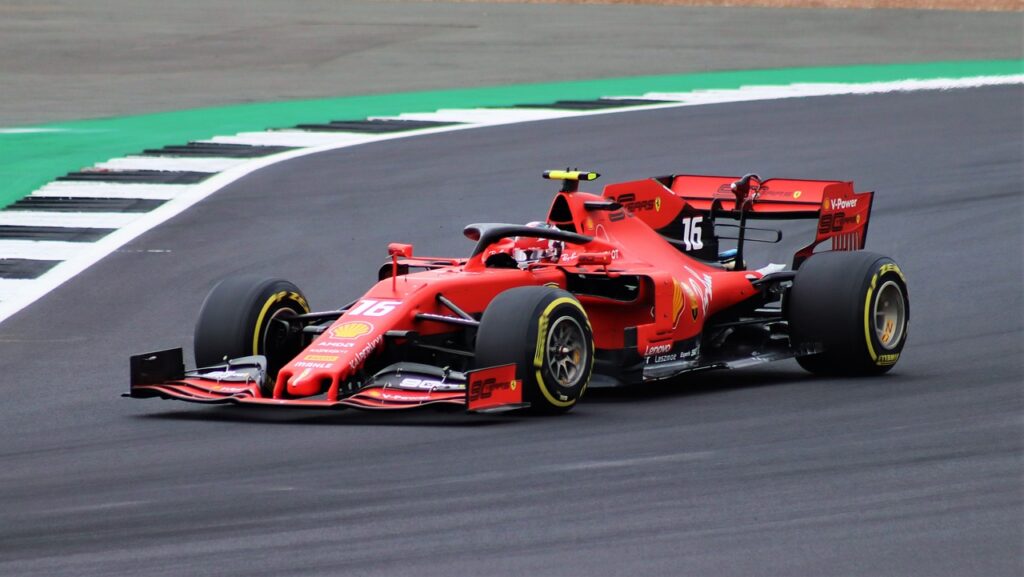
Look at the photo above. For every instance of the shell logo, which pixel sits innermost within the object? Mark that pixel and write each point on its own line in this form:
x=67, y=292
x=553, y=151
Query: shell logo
x=677, y=301
x=693, y=303
x=680, y=294
x=351, y=330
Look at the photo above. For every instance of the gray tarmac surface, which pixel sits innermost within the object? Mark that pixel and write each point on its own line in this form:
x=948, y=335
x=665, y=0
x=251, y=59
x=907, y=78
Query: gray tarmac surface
x=760, y=472
x=67, y=59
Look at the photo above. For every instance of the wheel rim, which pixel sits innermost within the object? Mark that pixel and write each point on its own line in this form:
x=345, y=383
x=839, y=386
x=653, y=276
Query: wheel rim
x=566, y=352
x=275, y=336
x=890, y=315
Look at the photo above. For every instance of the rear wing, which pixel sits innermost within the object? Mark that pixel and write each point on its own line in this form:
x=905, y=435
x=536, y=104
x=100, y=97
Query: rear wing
x=669, y=204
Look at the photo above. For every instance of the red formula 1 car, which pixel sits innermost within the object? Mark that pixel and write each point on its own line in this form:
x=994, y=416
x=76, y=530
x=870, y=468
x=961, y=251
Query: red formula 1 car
x=627, y=287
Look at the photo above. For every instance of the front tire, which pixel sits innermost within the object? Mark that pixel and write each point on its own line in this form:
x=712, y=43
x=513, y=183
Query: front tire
x=854, y=306
x=243, y=316
x=546, y=333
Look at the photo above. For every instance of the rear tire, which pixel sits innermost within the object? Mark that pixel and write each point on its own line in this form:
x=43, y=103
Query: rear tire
x=546, y=333
x=852, y=305
x=240, y=317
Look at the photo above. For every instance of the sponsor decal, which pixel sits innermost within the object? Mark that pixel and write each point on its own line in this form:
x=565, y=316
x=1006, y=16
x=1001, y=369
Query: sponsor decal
x=700, y=284
x=797, y=193
x=312, y=365
x=891, y=267
x=406, y=397
x=843, y=204
x=889, y=359
x=485, y=388
x=657, y=204
x=633, y=205
x=677, y=301
x=665, y=353
x=322, y=358
x=835, y=222
x=693, y=302
x=617, y=215
x=329, y=346
x=365, y=352
x=681, y=293
x=428, y=385
x=589, y=223
x=351, y=330
x=229, y=389
x=228, y=376
x=657, y=350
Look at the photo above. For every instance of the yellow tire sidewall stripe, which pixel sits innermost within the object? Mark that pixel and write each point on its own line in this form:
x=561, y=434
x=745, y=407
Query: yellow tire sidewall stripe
x=538, y=356
x=885, y=268
x=274, y=299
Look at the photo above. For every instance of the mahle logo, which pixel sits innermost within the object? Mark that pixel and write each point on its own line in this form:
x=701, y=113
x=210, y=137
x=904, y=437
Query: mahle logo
x=351, y=330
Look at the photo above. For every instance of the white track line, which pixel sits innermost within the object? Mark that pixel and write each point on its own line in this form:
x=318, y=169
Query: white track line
x=13, y=290
x=17, y=294
x=488, y=115
x=66, y=219
x=804, y=90
x=41, y=249
x=171, y=163
x=299, y=138
x=74, y=189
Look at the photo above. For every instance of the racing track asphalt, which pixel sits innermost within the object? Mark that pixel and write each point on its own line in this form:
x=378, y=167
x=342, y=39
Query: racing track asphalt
x=757, y=472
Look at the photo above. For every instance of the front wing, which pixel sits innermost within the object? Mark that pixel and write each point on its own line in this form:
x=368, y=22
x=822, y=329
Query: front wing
x=161, y=374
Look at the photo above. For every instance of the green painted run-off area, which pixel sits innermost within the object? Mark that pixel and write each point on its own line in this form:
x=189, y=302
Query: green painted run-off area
x=29, y=160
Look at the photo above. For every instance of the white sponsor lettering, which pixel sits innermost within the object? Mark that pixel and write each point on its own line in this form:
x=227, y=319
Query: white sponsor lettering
x=402, y=397
x=361, y=355
x=701, y=284
x=428, y=385
x=657, y=350
x=692, y=353
x=310, y=365
x=334, y=345
x=838, y=203
x=227, y=376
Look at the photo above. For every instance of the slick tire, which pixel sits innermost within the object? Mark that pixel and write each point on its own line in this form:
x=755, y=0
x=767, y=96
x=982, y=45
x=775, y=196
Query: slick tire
x=854, y=306
x=547, y=334
x=240, y=318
